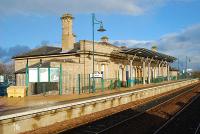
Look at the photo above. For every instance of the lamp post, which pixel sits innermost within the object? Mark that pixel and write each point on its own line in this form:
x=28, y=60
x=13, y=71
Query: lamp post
x=101, y=29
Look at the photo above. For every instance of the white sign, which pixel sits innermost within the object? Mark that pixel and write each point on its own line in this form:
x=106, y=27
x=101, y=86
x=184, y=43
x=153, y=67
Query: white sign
x=44, y=75
x=96, y=75
x=43, y=72
x=54, y=74
x=1, y=78
x=33, y=75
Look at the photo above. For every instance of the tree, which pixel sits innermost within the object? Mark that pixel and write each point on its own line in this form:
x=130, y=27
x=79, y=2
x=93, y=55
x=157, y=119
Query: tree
x=2, y=68
x=196, y=74
x=6, y=69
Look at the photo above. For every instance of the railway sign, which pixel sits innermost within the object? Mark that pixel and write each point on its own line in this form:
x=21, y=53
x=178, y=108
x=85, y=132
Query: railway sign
x=96, y=75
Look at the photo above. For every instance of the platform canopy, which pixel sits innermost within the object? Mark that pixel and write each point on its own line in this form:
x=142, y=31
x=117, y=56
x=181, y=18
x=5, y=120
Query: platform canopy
x=143, y=52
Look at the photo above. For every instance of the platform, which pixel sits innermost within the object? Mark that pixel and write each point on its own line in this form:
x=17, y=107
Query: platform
x=15, y=105
x=34, y=112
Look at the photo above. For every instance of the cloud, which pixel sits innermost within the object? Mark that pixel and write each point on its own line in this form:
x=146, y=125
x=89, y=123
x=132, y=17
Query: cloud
x=133, y=43
x=7, y=54
x=184, y=43
x=181, y=44
x=41, y=7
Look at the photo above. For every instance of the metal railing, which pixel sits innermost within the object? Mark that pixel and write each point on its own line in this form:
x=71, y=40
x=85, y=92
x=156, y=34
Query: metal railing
x=79, y=84
x=84, y=84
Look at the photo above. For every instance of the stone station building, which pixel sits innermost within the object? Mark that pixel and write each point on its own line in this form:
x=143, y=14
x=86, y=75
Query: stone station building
x=116, y=63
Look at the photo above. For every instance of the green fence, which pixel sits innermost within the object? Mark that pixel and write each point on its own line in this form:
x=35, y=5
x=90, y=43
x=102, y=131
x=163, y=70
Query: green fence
x=181, y=77
x=159, y=79
x=78, y=84
x=134, y=81
x=85, y=84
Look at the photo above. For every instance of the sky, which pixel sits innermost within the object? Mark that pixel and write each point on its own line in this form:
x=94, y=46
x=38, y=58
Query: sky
x=172, y=25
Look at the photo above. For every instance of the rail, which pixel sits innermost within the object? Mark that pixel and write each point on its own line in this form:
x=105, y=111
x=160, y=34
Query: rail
x=177, y=114
x=158, y=101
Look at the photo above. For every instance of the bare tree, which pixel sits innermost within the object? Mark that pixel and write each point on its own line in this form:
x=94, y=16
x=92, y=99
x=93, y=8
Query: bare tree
x=2, y=68
x=7, y=70
x=196, y=74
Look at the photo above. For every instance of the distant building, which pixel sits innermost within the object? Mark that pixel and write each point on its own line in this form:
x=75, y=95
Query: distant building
x=76, y=58
x=173, y=72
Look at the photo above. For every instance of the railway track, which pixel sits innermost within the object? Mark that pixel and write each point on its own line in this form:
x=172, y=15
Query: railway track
x=165, y=128
x=197, y=131
x=111, y=122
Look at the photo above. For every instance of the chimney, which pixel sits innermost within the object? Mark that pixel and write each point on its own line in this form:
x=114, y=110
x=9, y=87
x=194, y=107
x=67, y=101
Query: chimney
x=154, y=48
x=68, y=38
x=104, y=39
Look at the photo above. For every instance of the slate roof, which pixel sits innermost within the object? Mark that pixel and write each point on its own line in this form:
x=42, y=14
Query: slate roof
x=44, y=50
x=142, y=52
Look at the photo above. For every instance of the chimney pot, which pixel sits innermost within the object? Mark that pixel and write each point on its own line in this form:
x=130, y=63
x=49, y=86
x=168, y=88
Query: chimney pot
x=154, y=48
x=104, y=39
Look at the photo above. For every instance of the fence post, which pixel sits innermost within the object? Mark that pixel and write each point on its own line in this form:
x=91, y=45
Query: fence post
x=60, y=82
x=93, y=85
x=102, y=84
x=38, y=70
x=79, y=84
x=89, y=83
x=118, y=81
x=27, y=79
x=111, y=84
x=48, y=74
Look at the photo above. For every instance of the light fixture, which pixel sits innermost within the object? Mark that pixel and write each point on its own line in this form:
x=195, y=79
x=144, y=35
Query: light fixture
x=101, y=29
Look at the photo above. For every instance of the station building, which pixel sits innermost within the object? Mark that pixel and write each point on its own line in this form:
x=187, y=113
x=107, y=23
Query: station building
x=76, y=58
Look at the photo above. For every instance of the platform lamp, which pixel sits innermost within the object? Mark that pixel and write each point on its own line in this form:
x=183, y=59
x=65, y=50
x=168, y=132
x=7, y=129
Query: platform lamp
x=101, y=29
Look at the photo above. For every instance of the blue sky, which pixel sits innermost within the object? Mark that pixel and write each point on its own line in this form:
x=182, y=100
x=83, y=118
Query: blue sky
x=167, y=23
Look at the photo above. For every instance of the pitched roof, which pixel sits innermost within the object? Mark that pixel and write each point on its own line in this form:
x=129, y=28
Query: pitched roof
x=38, y=64
x=44, y=50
